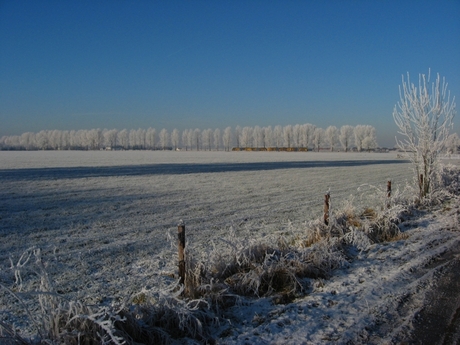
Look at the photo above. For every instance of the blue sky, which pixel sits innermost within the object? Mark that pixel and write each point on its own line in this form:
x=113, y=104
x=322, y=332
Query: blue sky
x=212, y=64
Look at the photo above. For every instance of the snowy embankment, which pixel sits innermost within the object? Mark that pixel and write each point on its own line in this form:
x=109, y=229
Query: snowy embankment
x=103, y=222
x=374, y=299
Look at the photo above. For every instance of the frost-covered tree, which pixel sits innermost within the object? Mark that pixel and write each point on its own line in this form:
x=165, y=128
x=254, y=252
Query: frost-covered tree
x=297, y=135
x=141, y=138
x=237, y=136
x=268, y=136
x=346, y=136
x=278, y=136
x=360, y=133
x=132, y=138
x=307, y=131
x=175, y=138
x=66, y=139
x=370, y=139
x=227, y=138
x=28, y=140
x=365, y=137
x=287, y=135
x=424, y=116
x=197, y=138
x=262, y=137
x=217, y=139
x=246, y=137
x=72, y=140
x=92, y=139
x=12, y=142
x=206, y=137
x=185, y=142
x=452, y=143
x=318, y=138
x=258, y=137
x=190, y=138
x=42, y=140
x=151, y=137
x=123, y=139
x=164, y=138
x=110, y=137
x=332, y=136
x=55, y=139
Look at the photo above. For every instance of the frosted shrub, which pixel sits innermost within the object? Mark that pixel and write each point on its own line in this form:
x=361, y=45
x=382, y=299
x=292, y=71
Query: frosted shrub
x=169, y=316
x=325, y=256
x=424, y=116
x=54, y=319
x=357, y=238
x=449, y=179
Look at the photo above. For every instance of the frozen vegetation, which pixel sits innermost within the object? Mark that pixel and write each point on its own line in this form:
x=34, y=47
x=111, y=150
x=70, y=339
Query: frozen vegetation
x=91, y=235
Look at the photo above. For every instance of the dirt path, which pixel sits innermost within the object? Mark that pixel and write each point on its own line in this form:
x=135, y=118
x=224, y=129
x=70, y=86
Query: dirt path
x=439, y=321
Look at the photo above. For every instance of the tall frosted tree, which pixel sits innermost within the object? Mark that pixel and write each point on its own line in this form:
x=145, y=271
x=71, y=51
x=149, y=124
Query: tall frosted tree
x=27, y=140
x=227, y=138
x=110, y=137
x=246, y=137
x=175, y=138
x=346, y=137
x=287, y=135
x=237, y=136
x=164, y=138
x=94, y=139
x=370, y=140
x=258, y=137
x=297, y=135
x=66, y=140
x=185, y=142
x=452, y=143
x=217, y=139
x=365, y=137
x=359, y=133
x=140, y=138
x=278, y=136
x=332, y=136
x=197, y=138
x=307, y=132
x=318, y=138
x=206, y=137
x=55, y=139
x=268, y=136
x=151, y=137
x=424, y=116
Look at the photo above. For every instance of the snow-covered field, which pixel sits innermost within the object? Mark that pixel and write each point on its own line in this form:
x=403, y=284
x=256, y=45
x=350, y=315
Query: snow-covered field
x=103, y=221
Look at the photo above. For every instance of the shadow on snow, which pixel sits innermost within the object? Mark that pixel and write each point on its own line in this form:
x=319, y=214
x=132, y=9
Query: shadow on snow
x=175, y=169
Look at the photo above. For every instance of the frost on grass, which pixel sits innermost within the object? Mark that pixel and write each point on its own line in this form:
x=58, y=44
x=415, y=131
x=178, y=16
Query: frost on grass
x=280, y=267
x=48, y=315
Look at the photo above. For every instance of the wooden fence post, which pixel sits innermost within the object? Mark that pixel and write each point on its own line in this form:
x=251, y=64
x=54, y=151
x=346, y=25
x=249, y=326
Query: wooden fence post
x=388, y=193
x=181, y=247
x=326, y=208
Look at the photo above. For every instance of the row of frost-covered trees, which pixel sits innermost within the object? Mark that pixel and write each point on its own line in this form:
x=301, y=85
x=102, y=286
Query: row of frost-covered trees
x=361, y=137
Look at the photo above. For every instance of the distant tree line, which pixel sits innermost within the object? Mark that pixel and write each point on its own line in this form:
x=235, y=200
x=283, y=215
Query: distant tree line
x=361, y=137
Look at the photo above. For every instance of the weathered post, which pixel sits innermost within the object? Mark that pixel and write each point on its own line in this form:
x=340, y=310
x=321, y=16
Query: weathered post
x=181, y=247
x=388, y=193
x=326, y=208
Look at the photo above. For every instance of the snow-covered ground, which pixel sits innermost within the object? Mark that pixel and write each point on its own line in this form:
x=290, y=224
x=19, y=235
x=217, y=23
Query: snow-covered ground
x=103, y=221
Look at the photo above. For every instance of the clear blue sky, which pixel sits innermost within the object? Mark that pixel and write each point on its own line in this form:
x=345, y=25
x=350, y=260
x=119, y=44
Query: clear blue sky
x=212, y=64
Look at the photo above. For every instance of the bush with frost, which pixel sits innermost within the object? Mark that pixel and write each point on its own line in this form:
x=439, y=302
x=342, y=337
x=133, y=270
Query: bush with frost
x=424, y=116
